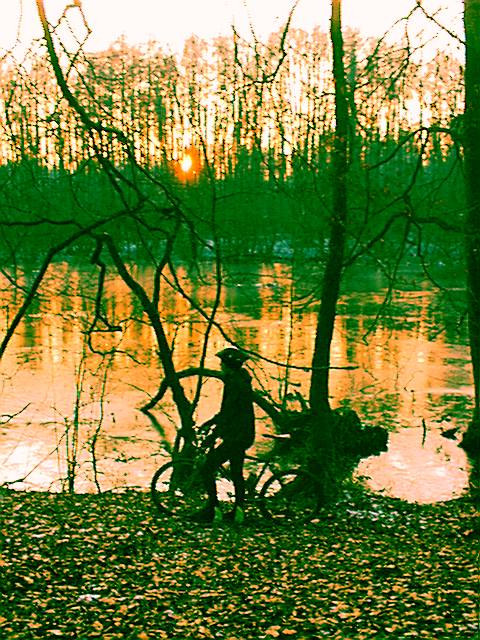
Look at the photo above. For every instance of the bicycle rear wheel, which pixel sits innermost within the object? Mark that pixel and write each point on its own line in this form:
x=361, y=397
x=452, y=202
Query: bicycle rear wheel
x=289, y=497
x=177, y=489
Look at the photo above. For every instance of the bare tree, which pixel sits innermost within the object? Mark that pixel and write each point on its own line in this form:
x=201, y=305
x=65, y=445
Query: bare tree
x=319, y=388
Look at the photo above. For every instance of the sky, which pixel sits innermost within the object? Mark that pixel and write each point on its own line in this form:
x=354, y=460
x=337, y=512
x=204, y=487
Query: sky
x=170, y=22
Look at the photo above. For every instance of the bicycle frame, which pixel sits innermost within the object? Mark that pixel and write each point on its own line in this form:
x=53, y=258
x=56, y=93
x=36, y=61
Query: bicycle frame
x=279, y=491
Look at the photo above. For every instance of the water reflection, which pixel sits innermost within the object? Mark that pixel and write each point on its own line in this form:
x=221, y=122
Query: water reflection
x=417, y=472
x=408, y=371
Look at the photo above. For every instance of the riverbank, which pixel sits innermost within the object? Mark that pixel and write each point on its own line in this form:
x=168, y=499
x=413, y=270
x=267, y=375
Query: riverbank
x=107, y=567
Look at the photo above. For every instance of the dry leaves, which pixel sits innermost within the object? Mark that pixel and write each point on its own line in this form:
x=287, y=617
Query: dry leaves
x=109, y=567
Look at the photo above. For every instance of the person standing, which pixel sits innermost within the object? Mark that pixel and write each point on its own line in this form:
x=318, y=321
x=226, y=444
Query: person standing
x=235, y=428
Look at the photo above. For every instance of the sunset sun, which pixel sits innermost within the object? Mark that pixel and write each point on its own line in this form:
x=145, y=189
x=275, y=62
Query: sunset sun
x=186, y=163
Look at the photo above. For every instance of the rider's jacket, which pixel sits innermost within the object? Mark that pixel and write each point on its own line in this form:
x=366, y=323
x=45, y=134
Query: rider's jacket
x=236, y=421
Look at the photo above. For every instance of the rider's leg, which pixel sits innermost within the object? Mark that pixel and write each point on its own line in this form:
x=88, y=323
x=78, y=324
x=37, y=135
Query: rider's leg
x=237, y=460
x=215, y=458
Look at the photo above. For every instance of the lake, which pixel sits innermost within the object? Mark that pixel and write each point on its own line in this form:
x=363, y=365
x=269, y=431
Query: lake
x=62, y=402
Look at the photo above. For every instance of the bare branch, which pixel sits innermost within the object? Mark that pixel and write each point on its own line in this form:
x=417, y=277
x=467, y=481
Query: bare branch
x=432, y=18
x=5, y=418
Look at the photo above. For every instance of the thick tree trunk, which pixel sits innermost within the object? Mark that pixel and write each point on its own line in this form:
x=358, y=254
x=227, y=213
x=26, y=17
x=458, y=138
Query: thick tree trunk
x=472, y=177
x=471, y=439
x=319, y=386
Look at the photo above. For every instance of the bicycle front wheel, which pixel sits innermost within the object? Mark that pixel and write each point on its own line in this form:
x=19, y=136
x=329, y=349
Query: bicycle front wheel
x=177, y=489
x=289, y=497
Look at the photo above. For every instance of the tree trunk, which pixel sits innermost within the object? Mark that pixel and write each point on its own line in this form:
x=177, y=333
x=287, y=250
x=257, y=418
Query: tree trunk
x=472, y=178
x=471, y=440
x=319, y=385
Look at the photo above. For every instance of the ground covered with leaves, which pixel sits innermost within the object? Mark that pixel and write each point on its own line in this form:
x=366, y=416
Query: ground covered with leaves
x=107, y=566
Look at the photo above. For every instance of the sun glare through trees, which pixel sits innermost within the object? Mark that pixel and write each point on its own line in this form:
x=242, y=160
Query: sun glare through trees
x=186, y=164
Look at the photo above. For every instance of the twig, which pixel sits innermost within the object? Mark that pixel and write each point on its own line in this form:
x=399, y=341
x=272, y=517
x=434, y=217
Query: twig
x=424, y=434
x=11, y=416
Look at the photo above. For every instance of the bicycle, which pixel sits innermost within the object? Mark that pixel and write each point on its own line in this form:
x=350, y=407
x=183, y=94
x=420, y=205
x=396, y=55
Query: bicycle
x=286, y=495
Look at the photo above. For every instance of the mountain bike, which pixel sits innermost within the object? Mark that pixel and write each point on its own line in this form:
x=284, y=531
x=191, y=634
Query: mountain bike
x=281, y=493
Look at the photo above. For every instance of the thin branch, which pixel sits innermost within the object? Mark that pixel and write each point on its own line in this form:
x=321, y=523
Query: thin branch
x=5, y=418
x=432, y=18
x=51, y=253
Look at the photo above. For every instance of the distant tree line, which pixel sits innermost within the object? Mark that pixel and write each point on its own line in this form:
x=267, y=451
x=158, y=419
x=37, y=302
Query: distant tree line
x=256, y=118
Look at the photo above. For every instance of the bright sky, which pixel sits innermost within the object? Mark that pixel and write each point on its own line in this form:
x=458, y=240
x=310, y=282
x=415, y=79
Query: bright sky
x=171, y=21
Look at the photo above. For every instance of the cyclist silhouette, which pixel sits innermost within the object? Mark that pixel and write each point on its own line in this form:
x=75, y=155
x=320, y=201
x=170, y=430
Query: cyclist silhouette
x=235, y=428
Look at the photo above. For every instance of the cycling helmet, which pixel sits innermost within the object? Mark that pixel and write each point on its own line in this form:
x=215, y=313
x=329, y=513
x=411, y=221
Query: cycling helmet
x=232, y=357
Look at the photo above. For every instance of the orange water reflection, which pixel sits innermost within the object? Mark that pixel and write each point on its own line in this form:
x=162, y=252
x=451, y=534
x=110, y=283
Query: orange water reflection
x=406, y=373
